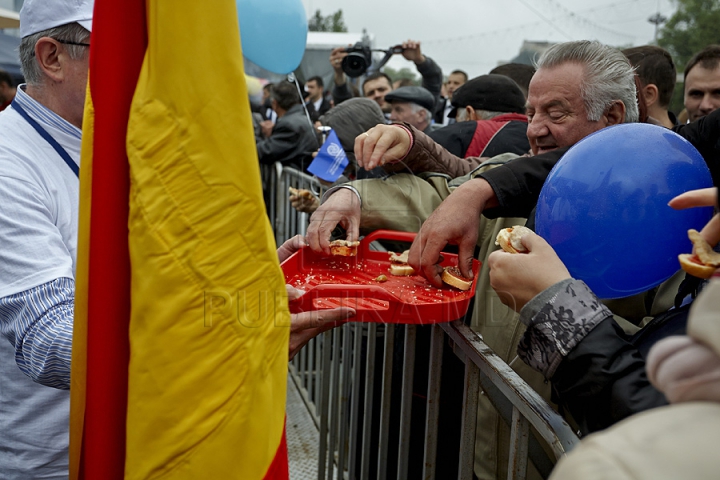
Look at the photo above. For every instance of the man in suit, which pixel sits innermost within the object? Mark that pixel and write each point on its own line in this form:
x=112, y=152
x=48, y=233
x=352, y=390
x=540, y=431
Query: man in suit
x=455, y=80
x=292, y=139
x=316, y=103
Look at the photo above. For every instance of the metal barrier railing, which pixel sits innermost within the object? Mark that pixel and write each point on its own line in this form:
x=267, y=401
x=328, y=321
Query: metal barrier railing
x=338, y=372
x=287, y=221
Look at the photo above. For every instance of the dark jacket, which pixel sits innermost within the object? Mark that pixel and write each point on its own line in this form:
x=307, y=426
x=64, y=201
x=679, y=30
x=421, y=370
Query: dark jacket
x=485, y=138
x=316, y=114
x=597, y=371
x=439, y=113
x=292, y=141
x=601, y=378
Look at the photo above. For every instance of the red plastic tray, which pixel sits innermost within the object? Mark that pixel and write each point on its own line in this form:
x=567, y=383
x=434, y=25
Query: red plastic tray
x=333, y=281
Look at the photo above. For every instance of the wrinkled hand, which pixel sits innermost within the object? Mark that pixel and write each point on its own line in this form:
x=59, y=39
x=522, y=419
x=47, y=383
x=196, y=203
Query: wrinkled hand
x=380, y=145
x=304, y=204
x=343, y=208
x=266, y=128
x=306, y=325
x=456, y=222
x=412, y=52
x=290, y=246
x=704, y=197
x=518, y=277
x=336, y=58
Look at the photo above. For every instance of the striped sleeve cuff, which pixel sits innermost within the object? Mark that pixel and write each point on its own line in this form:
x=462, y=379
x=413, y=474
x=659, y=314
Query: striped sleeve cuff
x=39, y=324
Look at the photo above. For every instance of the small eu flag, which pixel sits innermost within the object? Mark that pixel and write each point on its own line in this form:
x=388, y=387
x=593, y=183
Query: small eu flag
x=330, y=161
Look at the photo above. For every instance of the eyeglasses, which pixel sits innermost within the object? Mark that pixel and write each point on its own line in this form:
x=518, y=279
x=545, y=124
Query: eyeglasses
x=67, y=42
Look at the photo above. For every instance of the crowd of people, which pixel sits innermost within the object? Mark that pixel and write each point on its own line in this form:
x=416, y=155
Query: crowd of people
x=476, y=152
x=482, y=171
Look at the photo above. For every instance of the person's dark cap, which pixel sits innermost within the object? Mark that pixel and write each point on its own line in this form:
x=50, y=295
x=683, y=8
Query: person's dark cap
x=418, y=95
x=494, y=93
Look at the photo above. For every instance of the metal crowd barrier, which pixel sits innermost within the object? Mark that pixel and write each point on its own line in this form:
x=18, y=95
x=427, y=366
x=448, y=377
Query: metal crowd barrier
x=286, y=221
x=347, y=379
x=337, y=373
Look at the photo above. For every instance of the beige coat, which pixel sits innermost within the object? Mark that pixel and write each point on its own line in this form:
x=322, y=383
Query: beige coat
x=403, y=202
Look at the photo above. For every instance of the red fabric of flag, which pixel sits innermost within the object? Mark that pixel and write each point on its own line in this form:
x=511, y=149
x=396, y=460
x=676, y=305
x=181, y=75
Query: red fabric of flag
x=119, y=41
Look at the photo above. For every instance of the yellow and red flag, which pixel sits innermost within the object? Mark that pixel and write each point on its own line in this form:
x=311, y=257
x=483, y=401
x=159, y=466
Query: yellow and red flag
x=180, y=363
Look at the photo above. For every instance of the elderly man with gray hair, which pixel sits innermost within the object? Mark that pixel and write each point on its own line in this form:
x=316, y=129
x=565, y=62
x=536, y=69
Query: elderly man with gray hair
x=412, y=105
x=39, y=192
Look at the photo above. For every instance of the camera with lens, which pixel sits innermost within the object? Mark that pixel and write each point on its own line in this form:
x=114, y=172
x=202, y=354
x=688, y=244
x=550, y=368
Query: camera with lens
x=358, y=60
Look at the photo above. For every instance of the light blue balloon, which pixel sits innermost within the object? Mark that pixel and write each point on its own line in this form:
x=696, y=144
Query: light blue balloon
x=273, y=33
x=604, y=207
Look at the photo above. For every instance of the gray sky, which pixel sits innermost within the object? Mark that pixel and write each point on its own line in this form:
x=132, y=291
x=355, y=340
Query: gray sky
x=477, y=35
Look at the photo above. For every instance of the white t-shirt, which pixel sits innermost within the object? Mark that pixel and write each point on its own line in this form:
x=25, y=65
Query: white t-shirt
x=39, y=196
x=318, y=104
x=38, y=242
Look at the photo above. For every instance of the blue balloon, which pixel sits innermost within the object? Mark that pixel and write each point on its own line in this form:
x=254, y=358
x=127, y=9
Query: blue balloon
x=273, y=33
x=604, y=207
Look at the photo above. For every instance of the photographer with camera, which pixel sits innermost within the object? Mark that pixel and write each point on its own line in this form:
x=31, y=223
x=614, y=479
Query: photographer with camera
x=355, y=60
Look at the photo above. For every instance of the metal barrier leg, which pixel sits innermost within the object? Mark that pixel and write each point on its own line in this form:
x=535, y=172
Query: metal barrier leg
x=406, y=400
x=312, y=369
x=355, y=400
x=519, y=431
x=318, y=372
x=303, y=370
x=433, y=399
x=334, y=400
x=469, y=419
x=385, y=405
x=346, y=380
x=324, y=403
x=368, y=408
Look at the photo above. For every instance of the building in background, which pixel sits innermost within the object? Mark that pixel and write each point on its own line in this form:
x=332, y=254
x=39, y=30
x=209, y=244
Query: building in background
x=10, y=38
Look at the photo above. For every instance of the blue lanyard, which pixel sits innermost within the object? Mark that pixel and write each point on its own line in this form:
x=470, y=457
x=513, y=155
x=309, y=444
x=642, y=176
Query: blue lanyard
x=48, y=138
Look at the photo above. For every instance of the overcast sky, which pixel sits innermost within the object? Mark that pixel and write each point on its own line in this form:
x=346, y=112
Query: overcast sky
x=477, y=35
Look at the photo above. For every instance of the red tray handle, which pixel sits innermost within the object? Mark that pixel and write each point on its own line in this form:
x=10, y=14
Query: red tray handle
x=387, y=235
x=374, y=292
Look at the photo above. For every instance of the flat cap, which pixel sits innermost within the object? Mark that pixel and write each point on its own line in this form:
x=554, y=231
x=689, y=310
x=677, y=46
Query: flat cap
x=418, y=95
x=494, y=93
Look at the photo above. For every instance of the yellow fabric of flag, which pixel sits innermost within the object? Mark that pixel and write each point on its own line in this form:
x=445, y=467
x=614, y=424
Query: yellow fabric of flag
x=80, y=316
x=209, y=323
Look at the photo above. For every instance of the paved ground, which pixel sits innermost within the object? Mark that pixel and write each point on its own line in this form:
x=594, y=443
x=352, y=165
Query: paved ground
x=302, y=437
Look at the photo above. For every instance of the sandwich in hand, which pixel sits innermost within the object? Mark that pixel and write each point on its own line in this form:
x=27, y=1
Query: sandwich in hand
x=509, y=239
x=703, y=262
x=399, y=266
x=344, y=248
x=453, y=277
x=301, y=192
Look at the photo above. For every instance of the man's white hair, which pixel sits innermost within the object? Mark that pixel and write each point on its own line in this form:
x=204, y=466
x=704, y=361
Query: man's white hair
x=72, y=32
x=608, y=76
x=416, y=108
